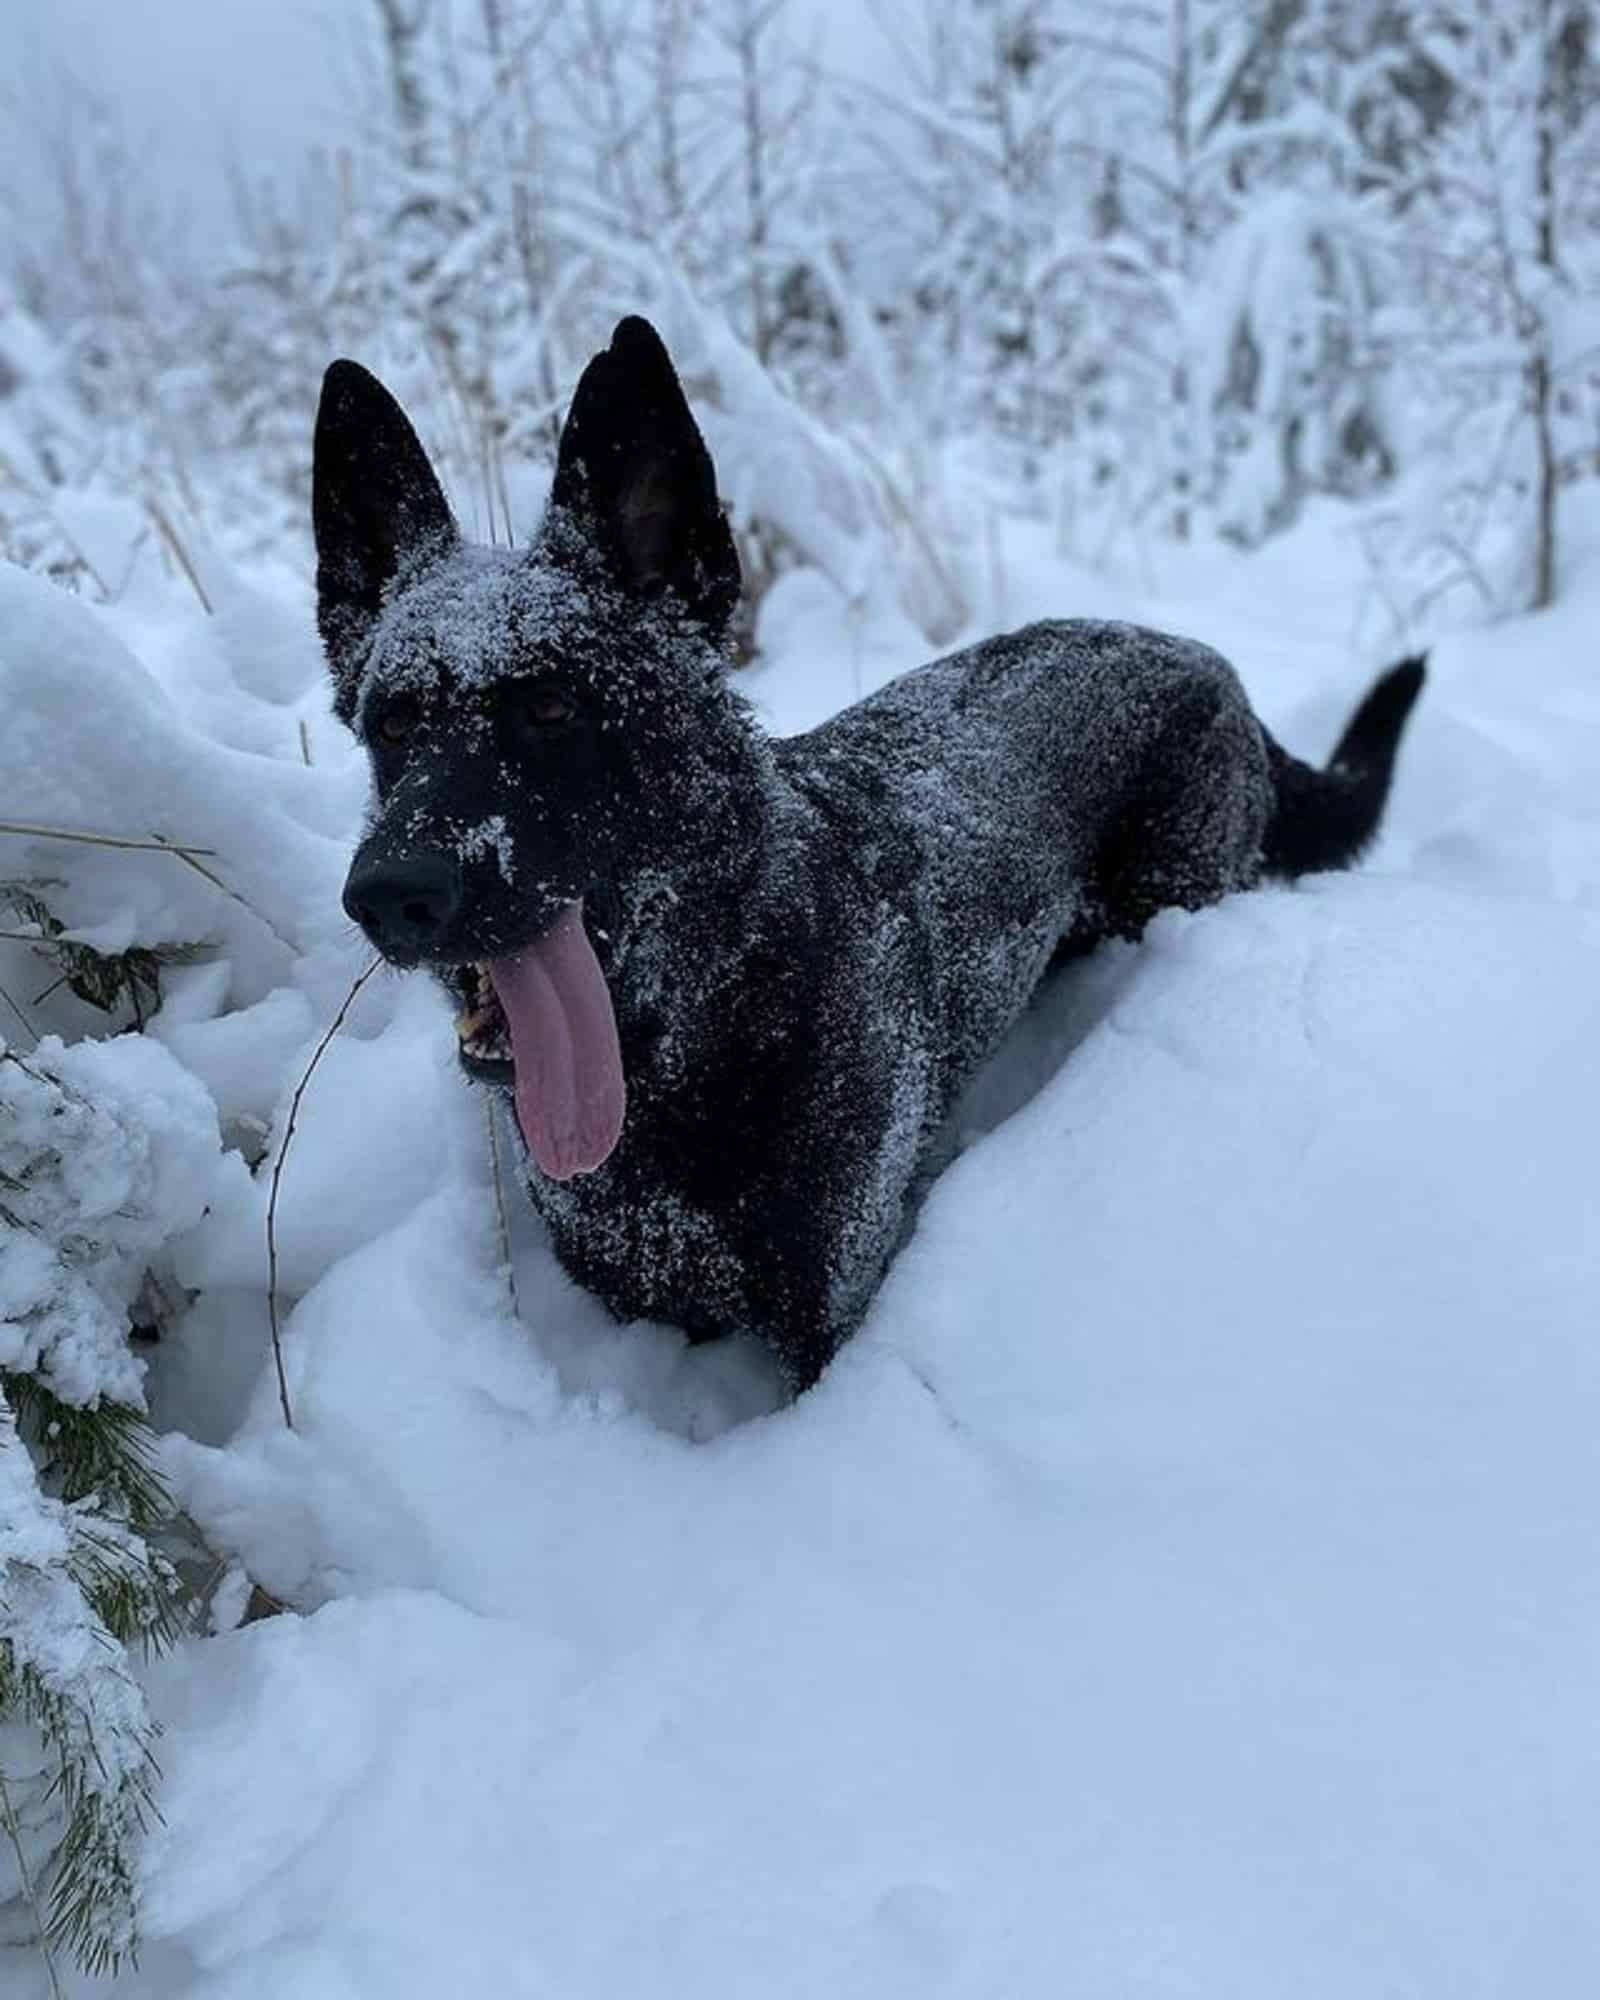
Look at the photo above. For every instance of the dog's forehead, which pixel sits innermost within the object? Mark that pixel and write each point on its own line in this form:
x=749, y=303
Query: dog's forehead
x=478, y=615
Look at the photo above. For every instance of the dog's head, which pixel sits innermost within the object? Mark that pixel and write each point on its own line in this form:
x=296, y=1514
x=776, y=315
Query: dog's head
x=547, y=727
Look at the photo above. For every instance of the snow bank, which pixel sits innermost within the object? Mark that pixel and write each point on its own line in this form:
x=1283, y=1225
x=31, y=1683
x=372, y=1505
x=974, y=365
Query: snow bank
x=1182, y=1587
x=94, y=743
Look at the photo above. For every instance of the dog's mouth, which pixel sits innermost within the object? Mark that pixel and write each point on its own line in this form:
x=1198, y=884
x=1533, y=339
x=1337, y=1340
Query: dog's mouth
x=483, y=1035
x=539, y=1022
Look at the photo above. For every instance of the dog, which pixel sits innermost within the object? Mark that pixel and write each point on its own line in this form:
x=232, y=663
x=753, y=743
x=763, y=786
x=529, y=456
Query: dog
x=733, y=984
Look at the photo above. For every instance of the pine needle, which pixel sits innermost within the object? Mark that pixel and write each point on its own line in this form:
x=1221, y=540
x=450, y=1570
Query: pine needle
x=94, y=1465
x=277, y=1174
x=106, y=1449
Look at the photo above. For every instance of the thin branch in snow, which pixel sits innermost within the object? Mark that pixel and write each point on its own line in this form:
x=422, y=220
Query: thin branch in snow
x=27, y=1026
x=30, y=1895
x=277, y=1175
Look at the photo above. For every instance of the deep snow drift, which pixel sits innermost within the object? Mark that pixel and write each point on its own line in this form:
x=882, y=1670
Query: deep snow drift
x=1185, y=1586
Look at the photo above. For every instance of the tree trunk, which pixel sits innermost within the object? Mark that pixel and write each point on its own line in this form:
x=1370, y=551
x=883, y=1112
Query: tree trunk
x=1545, y=480
x=1538, y=332
x=1183, y=413
x=402, y=30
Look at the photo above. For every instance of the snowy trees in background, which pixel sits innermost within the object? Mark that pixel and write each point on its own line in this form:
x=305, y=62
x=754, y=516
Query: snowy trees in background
x=1179, y=266
x=1509, y=313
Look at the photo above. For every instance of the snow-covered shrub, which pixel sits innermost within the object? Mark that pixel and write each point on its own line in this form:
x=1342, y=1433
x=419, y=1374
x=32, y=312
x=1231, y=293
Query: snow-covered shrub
x=824, y=497
x=1284, y=364
x=107, y=1150
x=42, y=445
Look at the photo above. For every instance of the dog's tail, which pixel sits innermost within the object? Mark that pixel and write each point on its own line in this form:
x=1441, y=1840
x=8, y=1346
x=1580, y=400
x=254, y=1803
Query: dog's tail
x=1323, y=819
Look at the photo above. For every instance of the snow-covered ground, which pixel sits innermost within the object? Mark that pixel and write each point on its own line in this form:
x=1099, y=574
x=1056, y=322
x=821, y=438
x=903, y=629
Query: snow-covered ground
x=1186, y=1587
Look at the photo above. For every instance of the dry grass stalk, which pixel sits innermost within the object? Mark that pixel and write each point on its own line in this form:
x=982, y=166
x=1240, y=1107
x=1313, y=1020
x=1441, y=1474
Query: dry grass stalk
x=493, y=1128
x=182, y=851
x=179, y=554
x=156, y=845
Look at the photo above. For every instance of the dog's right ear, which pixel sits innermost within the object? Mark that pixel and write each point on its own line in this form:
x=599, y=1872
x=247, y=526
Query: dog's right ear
x=375, y=503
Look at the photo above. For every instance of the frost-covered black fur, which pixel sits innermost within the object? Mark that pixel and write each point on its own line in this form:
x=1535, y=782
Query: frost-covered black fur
x=810, y=943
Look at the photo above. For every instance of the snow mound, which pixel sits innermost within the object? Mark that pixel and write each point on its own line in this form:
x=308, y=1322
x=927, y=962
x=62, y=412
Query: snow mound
x=1182, y=1587
x=95, y=744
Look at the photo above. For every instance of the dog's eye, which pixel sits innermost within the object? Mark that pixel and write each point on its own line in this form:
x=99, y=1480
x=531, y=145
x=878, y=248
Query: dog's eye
x=399, y=719
x=546, y=706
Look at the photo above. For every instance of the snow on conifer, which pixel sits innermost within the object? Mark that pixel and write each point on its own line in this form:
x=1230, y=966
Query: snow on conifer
x=107, y=1149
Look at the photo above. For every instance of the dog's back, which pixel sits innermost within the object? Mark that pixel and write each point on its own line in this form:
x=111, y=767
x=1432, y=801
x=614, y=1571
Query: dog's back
x=992, y=793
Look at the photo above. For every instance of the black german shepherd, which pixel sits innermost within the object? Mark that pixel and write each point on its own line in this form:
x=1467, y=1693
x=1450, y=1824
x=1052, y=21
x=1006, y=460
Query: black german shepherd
x=734, y=984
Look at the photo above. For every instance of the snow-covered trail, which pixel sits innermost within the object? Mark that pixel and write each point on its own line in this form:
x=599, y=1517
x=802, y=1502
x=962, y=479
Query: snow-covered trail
x=1184, y=1587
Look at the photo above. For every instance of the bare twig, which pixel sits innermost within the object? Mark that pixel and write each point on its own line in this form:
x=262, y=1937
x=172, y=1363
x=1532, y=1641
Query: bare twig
x=277, y=1175
x=8, y=1819
x=27, y=1026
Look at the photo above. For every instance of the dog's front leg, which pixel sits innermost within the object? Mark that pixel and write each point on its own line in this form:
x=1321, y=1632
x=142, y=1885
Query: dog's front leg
x=791, y=1301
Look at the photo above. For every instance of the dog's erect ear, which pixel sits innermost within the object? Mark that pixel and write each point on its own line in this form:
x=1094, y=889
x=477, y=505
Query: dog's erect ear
x=374, y=504
x=634, y=470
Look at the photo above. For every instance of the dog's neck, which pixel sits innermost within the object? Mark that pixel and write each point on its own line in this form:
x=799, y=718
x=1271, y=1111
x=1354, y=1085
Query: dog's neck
x=683, y=929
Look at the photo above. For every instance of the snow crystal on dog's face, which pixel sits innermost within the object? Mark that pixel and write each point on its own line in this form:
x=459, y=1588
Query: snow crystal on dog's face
x=475, y=616
x=471, y=617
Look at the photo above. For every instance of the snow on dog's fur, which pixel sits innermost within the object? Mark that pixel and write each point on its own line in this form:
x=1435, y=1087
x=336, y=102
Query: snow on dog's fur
x=735, y=984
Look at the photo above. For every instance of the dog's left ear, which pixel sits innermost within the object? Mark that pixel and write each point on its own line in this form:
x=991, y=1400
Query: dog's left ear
x=634, y=470
x=375, y=503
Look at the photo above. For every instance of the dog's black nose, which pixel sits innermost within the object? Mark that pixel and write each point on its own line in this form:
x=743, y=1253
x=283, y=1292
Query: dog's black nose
x=404, y=905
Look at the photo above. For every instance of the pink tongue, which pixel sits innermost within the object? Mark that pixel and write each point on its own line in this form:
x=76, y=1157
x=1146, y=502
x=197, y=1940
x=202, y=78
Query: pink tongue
x=570, y=1093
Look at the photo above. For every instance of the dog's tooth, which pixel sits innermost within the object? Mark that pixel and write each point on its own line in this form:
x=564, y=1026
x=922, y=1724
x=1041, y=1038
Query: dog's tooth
x=480, y=1025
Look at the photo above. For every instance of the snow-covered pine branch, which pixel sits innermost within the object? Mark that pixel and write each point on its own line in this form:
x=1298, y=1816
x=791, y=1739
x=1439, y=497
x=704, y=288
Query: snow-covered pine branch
x=107, y=1150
